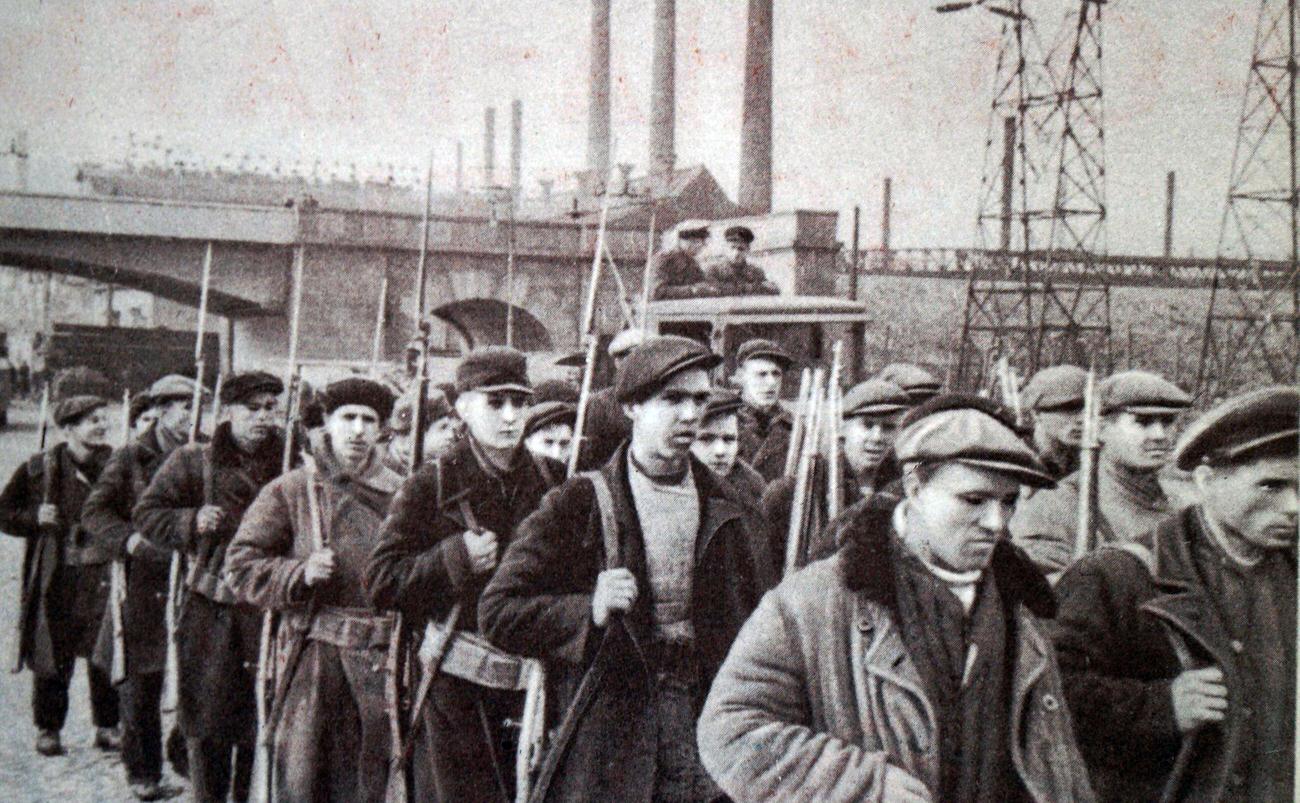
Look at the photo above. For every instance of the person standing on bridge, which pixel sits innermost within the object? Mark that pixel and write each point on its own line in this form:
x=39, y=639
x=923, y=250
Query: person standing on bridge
x=65, y=572
x=194, y=505
x=106, y=515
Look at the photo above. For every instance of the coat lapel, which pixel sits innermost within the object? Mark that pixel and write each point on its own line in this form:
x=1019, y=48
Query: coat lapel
x=1184, y=605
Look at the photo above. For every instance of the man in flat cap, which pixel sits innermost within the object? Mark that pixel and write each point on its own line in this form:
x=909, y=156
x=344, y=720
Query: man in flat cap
x=438, y=548
x=717, y=446
x=677, y=273
x=141, y=414
x=1139, y=419
x=548, y=430
x=912, y=665
x=194, y=505
x=919, y=384
x=1054, y=397
x=868, y=472
x=733, y=275
x=606, y=426
x=106, y=515
x=64, y=571
x=765, y=425
x=630, y=583
x=301, y=550
x=1178, y=648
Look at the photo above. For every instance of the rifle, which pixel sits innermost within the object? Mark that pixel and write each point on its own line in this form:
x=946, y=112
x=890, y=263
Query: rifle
x=33, y=567
x=589, y=333
x=117, y=577
x=1085, y=537
x=647, y=275
x=832, y=422
x=796, y=432
x=800, y=503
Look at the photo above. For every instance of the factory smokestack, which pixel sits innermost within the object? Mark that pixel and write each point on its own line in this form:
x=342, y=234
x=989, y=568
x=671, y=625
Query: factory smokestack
x=516, y=147
x=489, y=146
x=755, y=193
x=663, y=90
x=598, y=102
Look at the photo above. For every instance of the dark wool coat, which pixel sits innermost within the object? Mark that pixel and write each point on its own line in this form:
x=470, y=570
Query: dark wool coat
x=778, y=499
x=748, y=483
x=765, y=453
x=44, y=553
x=819, y=692
x=1115, y=634
x=332, y=741
x=106, y=515
x=166, y=511
x=539, y=604
x=678, y=275
x=422, y=568
x=605, y=429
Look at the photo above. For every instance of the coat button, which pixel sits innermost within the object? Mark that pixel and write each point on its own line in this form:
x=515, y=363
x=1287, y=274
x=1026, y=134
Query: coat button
x=1237, y=779
x=1050, y=702
x=1237, y=646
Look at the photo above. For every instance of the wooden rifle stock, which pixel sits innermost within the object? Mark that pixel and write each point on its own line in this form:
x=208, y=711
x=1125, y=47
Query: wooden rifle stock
x=33, y=571
x=796, y=432
x=117, y=576
x=832, y=423
x=801, y=501
x=1085, y=535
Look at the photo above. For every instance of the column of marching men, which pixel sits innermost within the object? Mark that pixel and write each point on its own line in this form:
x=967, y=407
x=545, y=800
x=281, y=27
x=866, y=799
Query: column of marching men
x=946, y=633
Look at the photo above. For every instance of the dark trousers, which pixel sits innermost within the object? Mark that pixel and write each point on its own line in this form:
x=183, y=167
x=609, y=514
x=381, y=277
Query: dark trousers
x=142, y=727
x=50, y=698
x=210, y=770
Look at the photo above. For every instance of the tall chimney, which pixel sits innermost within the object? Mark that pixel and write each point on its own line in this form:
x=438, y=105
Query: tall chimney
x=460, y=166
x=1169, y=213
x=516, y=147
x=756, y=118
x=663, y=90
x=489, y=146
x=598, y=101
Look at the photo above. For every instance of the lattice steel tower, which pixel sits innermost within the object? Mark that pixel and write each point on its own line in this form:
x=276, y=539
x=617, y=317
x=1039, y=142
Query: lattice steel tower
x=1042, y=192
x=1252, y=330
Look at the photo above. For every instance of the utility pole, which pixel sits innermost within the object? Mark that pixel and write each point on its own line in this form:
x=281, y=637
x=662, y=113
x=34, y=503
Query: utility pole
x=1169, y=214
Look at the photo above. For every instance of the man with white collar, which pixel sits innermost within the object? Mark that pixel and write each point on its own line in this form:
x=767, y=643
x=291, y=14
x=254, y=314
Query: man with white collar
x=301, y=549
x=1139, y=419
x=912, y=665
x=1178, y=648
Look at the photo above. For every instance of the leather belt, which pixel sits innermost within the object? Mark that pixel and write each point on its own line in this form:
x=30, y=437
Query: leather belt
x=352, y=628
x=472, y=658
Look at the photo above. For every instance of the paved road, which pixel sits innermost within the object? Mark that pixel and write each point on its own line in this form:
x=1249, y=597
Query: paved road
x=84, y=774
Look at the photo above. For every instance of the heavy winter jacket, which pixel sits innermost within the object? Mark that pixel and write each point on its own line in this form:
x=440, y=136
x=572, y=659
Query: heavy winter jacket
x=1045, y=524
x=217, y=473
x=539, y=604
x=820, y=693
x=677, y=274
x=1126, y=614
x=46, y=549
x=765, y=448
x=106, y=515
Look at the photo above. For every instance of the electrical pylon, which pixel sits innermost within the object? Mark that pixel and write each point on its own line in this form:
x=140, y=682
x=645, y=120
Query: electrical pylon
x=1252, y=329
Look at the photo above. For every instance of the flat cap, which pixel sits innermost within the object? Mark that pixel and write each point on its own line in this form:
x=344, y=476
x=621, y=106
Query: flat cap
x=1255, y=424
x=173, y=386
x=722, y=401
x=244, y=385
x=358, y=390
x=739, y=234
x=971, y=436
x=655, y=361
x=624, y=342
x=1141, y=392
x=74, y=408
x=693, y=231
x=547, y=413
x=1059, y=387
x=555, y=390
x=493, y=368
x=874, y=397
x=763, y=349
x=140, y=402
x=576, y=359
x=436, y=406
x=918, y=383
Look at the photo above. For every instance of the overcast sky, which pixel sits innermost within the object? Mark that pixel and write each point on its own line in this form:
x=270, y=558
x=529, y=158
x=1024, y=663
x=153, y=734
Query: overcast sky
x=863, y=89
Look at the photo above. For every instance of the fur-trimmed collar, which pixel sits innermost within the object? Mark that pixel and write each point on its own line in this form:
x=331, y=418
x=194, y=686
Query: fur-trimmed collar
x=868, y=555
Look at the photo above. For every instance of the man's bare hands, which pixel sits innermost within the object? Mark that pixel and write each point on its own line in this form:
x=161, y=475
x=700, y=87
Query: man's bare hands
x=47, y=515
x=482, y=548
x=208, y=519
x=320, y=567
x=615, y=591
x=902, y=787
x=1200, y=697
